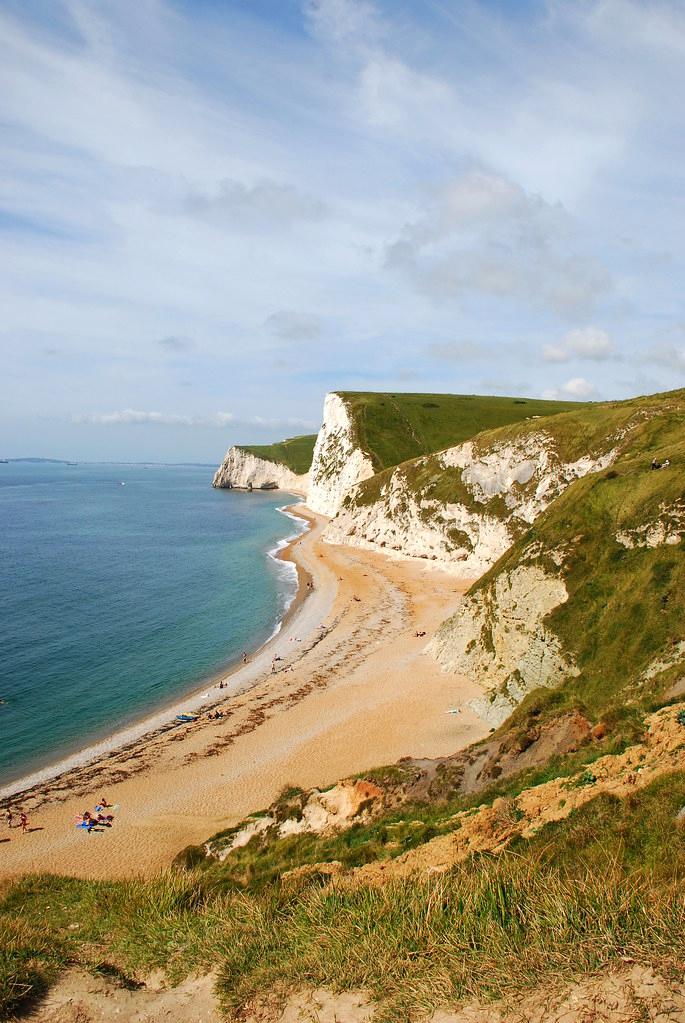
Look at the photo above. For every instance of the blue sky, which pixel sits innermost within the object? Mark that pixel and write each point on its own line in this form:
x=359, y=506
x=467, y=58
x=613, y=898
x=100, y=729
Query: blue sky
x=212, y=212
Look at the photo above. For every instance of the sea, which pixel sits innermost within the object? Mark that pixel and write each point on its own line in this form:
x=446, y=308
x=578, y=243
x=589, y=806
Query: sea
x=122, y=589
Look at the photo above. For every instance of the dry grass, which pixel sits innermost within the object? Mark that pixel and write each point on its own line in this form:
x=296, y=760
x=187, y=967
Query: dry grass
x=605, y=885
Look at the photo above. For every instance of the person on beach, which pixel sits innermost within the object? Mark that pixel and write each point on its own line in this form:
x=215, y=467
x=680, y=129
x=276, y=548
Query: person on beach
x=23, y=823
x=103, y=802
x=9, y=816
x=89, y=821
x=244, y=657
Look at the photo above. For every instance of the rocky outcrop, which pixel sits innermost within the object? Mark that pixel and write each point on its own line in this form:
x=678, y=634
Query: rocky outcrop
x=245, y=471
x=667, y=529
x=339, y=463
x=465, y=506
x=317, y=811
x=499, y=639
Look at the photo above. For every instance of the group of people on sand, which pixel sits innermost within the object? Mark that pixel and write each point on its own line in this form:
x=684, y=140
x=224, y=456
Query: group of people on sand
x=274, y=661
x=215, y=715
x=17, y=819
x=90, y=821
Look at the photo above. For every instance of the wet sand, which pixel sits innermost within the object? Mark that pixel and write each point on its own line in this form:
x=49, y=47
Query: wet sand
x=353, y=690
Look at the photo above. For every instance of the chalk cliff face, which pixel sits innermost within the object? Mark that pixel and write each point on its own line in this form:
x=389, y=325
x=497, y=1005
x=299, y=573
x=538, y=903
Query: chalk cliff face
x=338, y=463
x=499, y=638
x=463, y=507
x=243, y=470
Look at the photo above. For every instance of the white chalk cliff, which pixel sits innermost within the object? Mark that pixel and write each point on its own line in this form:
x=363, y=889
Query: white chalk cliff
x=338, y=463
x=498, y=638
x=499, y=489
x=245, y=471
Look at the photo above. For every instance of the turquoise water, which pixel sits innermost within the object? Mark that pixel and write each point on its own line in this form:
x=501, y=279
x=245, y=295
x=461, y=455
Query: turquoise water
x=116, y=599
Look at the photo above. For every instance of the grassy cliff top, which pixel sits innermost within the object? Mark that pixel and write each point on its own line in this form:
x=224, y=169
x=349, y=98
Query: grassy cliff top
x=393, y=428
x=296, y=452
x=581, y=429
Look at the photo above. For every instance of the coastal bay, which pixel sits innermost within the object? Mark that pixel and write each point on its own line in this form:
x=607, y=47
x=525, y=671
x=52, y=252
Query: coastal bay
x=122, y=589
x=353, y=690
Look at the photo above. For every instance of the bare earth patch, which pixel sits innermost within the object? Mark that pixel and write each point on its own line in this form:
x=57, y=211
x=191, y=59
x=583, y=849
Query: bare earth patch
x=629, y=995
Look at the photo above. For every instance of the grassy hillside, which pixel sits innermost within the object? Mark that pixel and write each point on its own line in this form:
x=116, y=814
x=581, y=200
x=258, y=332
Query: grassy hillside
x=296, y=452
x=626, y=607
x=603, y=885
x=395, y=427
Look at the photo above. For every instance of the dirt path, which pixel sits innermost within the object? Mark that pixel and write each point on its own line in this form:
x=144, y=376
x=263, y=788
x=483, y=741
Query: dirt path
x=631, y=994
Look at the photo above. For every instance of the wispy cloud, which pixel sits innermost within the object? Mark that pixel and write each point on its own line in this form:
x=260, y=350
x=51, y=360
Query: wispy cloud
x=576, y=387
x=220, y=420
x=485, y=234
x=343, y=20
x=591, y=343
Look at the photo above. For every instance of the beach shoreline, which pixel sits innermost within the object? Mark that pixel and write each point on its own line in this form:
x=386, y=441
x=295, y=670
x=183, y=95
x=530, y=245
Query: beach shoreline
x=204, y=694
x=354, y=689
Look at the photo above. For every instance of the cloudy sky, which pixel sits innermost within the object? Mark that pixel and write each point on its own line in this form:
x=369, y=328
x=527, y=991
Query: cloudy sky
x=213, y=211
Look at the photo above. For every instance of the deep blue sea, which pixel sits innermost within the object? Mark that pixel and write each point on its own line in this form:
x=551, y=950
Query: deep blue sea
x=121, y=588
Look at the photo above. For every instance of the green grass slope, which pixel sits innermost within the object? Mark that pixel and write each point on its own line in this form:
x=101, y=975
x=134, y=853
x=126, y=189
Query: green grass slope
x=626, y=607
x=393, y=428
x=295, y=453
x=601, y=887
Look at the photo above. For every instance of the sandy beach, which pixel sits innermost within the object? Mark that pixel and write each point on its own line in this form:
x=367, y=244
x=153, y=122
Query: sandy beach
x=352, y=689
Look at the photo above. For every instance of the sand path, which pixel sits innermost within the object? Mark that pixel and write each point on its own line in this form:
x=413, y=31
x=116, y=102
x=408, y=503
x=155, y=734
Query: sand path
x=361, y=693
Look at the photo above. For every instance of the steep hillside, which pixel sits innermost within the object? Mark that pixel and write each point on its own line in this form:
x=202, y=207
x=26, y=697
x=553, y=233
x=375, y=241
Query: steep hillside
x=418, y=910
x=283, y=465
x=465, y=506
x=364, y=433
x=392, y=428
x=593, y=595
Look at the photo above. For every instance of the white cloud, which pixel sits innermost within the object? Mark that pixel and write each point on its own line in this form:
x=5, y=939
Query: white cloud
x=391, y=94
x=485, y=234
x=591, y=343
x=577, y=387
x=136, y=417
